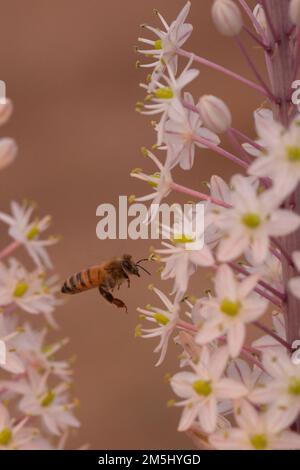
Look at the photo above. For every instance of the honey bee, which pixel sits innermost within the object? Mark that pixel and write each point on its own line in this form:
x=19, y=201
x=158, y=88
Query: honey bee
x=106, y=276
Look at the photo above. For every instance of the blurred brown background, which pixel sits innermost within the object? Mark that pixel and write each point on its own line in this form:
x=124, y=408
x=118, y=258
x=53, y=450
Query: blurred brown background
x=69, y=68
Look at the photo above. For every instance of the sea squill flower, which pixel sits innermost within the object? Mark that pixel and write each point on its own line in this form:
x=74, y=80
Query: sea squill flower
x=164, y=49
x=203, y=388
x=282, y=393
x=28, y=291
x=256, y=431
x=12, y=362
x=27, y=232
x=251, y=221
x=164, y=320
x=49, y=403
x=234, y=306
x=181, y=136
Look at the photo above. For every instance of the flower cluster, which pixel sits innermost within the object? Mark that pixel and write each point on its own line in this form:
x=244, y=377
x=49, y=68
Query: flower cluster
x=36, y=407
x=235, y=393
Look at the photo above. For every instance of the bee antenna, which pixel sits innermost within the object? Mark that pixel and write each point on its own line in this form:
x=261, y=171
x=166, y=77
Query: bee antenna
x=141, y=267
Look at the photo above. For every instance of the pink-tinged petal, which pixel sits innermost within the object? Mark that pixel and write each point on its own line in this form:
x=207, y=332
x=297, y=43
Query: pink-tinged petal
x=203, y=257
x=287, y=440
x=247, y=417
x=260, y=248
x=278, y=364
x=181, y=384
x=279, y=419
x=247, y=285
x=283, y=222
x=263, y=394
x=187, y=418
x=219, y=189
x=294, y=286
x=187, y=77
x=50, y=423
x=208, y=415
x=13, y=364
x=218, y=362
x=236, y=337
x=208, y=135
x=233, y=439
x=230, y=389
x=251, y=150
x=209, y=331
x=4, y=417
x=262, y=166
x=253, y=310
x=225, y=283
x=267, y=129
x=232, y=247
x=296, y=259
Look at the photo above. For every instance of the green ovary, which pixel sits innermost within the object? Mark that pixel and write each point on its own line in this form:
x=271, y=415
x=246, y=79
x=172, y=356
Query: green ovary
x=230, y=308
x=161, y=319
x=293, y=154
x=164, y=93
x=48, y=398
x=153, y=183
x=33, y=232
x=251, y=220
x=202, y=387
x=158, y=44
x=259, y=442
x=20, y=289
x=5, y=436
x=294, y=386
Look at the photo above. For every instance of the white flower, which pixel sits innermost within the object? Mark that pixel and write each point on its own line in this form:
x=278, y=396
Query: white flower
x=255, y=432
x=187, y=252
x=164, y=49
x=12, y=362
x=251, y=221
x=37, y=354
x=50, y=404
x=234, y=306
x=160, y=181
x=215, y=113
x=14, y=435
x=180, y=137
x=270, y=270
x=166, y=97
x=8, y=151
x=26, y=232
x=227, y=17
x=202, y=389
x=281, y=157
x=29, y=291
x=294, y=283
x=283, y=392
x=164, y=319
x=267, y=341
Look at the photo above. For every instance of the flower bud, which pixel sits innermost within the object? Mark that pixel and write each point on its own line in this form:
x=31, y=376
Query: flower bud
x=295, y=12
x=8, y=150
x=227, y=17
x=260, y=15
x=214, y=113
x=5, y=111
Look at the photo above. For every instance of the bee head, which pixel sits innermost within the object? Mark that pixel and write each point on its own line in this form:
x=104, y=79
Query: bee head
x=129, y=265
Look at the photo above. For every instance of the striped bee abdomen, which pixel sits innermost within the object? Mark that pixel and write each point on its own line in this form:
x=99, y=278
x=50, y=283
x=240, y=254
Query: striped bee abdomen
x=82, y=281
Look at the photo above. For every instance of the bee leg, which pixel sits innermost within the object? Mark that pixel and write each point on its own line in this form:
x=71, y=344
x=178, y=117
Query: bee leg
x=111, y=299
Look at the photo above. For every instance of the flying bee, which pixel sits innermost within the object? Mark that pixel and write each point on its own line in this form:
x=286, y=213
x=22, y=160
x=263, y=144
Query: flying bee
x=106, y=276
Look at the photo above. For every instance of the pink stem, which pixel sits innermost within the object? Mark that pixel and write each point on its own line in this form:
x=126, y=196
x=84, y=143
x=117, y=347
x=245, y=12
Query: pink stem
x=250, y=357
x=266, y=47
x=220, y=151
x=222, y=69
x=246, y=138
x=265, y=285
x=255, y=71
x=198, y=195
x=238, y=147
x=9, y=249
x=273, y=334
